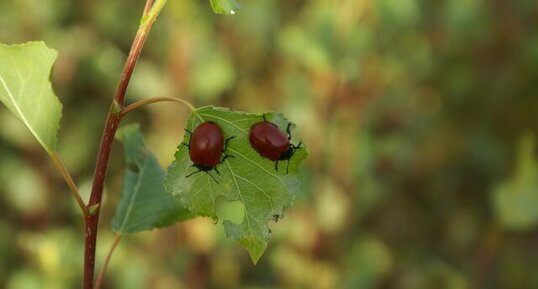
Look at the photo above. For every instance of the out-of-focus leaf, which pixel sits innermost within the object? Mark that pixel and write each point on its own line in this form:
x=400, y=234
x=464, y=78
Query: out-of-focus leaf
x=247, y=177
x=227, y=7
x=144, y=204
x=369, y=260
x=212, y=75
x=26, y=90
x=516, y=201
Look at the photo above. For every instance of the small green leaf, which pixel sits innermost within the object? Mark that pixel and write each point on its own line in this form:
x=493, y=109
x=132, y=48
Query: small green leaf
x=227, y=7
x=144, y=204
x=516, y=200
x=247, y=178
x=26, y=90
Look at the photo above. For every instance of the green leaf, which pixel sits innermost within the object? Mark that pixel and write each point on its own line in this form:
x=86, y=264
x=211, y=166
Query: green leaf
x=227, y=7
x=26, y=90
x=516, y=200
x=144, y=204
x=247, y=178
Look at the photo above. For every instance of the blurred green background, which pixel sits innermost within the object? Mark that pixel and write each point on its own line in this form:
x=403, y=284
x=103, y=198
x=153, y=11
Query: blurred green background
x=421, y=120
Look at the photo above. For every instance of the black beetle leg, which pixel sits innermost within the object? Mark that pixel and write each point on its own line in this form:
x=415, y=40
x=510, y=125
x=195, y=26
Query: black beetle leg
x=212, y=177
x=190, y=135
x=288, y=131
x=195, y=172
x=226, y=142
x=225, y=157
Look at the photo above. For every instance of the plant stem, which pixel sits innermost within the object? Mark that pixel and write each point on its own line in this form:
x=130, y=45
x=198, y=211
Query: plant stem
x=107, y=260
x=143, y=102
x=107, y=139
x=60, y=166
x=148, y=6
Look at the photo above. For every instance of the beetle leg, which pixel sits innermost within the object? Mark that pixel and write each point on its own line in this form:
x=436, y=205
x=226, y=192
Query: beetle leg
x=225, y=157
x=288, y=130
x=216, y=170
x=276, y=165
x=226, y=142
x=264, y=119
x=212, y=177
x=288, y=167
x=190, y=135
x=195, y=172
x=298, y=146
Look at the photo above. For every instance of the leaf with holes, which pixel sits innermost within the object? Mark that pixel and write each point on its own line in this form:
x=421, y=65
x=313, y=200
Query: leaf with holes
x=144, y=204
x=227, y=7
x=26, y=90
x=246, y=177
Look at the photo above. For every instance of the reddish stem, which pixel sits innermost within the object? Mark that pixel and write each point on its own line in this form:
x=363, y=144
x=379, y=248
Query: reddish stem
x=149, y=4
x=112, y=123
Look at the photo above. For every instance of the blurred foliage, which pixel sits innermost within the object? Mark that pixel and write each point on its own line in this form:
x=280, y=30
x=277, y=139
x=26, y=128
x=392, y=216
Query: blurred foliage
x=413, y=110
x=516, y=201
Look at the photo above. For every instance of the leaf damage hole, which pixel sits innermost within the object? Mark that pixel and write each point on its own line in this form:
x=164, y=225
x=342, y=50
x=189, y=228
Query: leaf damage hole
x=233, y=211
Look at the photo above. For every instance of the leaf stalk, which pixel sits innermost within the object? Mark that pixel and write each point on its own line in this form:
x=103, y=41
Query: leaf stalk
x=60, y=167
x=101, y=275
x=143, y=102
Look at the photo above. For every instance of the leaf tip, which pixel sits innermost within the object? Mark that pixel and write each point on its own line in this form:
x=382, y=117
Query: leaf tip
x=225, y=7
x=255, y=257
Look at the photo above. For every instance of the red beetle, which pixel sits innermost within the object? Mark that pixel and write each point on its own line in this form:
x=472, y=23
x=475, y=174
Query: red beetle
x=270, y=142
x=206, y=146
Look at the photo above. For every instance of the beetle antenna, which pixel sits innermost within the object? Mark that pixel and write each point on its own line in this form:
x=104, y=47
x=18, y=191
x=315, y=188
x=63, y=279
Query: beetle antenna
x=288, y=167
x=276, y=165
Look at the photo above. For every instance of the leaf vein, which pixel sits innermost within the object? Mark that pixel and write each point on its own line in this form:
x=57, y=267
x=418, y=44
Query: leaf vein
x=23, y=117
x=225, y=120
x=241, y=196
x=133, y=197
x=259, y=189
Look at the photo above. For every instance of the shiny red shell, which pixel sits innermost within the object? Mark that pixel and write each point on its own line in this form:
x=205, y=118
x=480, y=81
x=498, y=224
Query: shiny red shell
x=268, y=140
x=206, y=145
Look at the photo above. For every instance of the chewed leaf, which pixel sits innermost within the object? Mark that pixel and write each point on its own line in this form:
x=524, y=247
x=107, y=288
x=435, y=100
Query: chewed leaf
x=227, y=7
x=26, y=90
x=144, y=204
x=246, y=177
